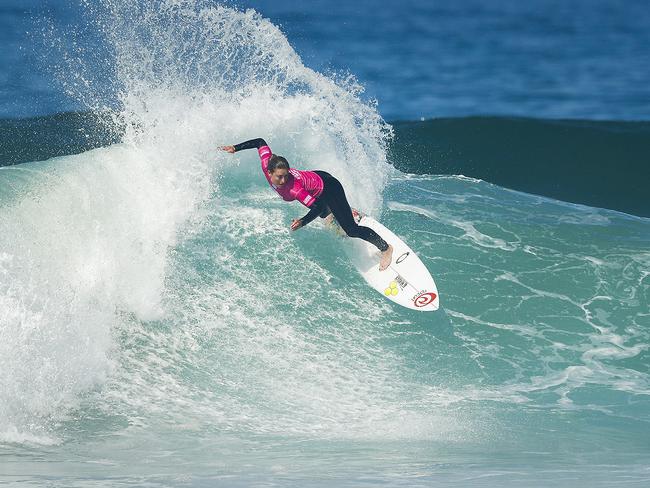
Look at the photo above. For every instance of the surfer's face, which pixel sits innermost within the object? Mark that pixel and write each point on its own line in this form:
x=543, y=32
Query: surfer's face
x=279, y=176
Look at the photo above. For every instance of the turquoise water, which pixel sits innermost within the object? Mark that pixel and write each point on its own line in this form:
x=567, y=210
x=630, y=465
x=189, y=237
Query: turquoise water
x=161, y=326
x=240, y=353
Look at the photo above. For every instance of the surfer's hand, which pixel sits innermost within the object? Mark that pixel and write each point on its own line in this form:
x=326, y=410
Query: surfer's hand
x=230, y=149
x=296, y=224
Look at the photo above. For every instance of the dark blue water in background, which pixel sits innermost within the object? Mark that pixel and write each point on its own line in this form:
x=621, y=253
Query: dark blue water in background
x=587, y=59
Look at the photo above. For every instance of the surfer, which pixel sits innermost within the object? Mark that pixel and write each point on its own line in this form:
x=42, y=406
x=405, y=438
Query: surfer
x=319, y=191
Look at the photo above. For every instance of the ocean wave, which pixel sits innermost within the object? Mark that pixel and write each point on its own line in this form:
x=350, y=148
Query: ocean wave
x=600, y=164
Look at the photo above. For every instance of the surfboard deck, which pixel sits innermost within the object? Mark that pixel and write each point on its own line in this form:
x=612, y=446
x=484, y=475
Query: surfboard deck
x=407, y=281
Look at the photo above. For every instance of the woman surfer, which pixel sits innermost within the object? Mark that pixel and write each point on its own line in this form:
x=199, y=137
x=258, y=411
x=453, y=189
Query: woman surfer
x=319, y=191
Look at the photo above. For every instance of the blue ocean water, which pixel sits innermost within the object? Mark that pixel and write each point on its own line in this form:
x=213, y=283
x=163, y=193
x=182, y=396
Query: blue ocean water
x=584, y=59
x=160, y=325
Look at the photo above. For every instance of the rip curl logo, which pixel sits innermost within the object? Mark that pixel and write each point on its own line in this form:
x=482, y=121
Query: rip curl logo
x=423, y=299
x=392, y=289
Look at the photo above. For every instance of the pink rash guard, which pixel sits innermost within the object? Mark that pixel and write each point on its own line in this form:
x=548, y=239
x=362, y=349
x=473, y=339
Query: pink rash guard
x=304, y=186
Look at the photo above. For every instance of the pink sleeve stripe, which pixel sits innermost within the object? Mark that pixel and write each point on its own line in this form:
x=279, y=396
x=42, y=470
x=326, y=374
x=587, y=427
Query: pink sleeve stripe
x=265, y=155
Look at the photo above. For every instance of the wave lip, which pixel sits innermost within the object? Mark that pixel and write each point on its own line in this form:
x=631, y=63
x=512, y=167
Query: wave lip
x=594, y=163
x=89, y=237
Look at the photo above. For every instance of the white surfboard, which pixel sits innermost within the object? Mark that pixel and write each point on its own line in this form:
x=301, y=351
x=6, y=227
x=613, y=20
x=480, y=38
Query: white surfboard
x=406, y=281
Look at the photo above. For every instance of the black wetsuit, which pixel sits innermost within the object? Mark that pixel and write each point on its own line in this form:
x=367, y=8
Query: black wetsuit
x=333, y=200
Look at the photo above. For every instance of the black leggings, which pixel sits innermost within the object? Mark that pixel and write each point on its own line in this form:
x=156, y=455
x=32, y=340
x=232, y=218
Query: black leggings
x=333, y=199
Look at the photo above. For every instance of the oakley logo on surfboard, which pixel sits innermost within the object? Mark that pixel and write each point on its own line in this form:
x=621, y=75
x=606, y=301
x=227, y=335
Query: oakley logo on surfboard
x=402, y=257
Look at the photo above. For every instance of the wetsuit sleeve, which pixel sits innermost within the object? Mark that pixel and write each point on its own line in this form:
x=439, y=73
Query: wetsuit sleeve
x=262, y=148
x=314, y=211
x=253, y=143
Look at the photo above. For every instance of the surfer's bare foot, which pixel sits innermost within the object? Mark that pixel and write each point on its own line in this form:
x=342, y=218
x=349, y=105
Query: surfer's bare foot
x=386, y=258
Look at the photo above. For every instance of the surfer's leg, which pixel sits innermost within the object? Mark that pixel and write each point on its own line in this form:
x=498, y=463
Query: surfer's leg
x=338, y=204
x=326, y=213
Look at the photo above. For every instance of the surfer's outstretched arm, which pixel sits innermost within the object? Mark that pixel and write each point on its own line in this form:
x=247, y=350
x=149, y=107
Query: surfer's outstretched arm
x=314, y=211
x=262, y=148
x=252, y=144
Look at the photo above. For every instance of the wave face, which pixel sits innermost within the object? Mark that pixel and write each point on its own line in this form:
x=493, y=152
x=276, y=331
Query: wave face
x=600, y=164
x=86, y=238
x=157, y=316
